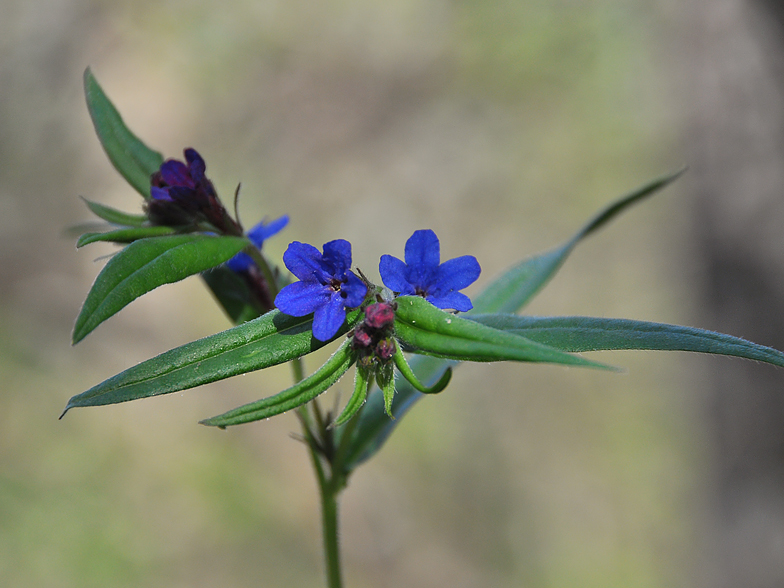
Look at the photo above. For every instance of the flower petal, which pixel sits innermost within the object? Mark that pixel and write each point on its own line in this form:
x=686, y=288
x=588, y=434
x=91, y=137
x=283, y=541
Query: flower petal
x=456, y=300
x=301, y=298
x=423, y=249
x=393, y=274
x=354, y=289
x=265, y=230
x=337, y=256
x=304, y=261
x=196, y=165
x=328, y=318
x=175, y=173
x=160, y=194
x=456, y=274
x=240, y=262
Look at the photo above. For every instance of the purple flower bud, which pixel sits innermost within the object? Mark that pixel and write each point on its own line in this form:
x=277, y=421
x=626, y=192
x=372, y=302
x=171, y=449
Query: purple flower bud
x=385, y=349
x=380, y=315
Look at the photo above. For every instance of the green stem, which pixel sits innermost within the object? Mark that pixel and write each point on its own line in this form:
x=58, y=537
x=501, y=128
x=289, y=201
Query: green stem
x=330, y=480
x=329, y=519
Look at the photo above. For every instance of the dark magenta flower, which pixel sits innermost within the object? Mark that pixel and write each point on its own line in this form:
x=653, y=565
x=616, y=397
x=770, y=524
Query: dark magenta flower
x=423, y=274
x=257, y=235
x=182, y=195
x=327, y=286
x=177, y=182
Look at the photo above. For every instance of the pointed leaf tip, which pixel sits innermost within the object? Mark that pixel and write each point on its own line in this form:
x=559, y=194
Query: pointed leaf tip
x=146, y=264
x=129, y=155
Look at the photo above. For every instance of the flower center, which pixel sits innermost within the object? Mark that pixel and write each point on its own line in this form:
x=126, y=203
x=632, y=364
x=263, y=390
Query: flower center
x=334, y=283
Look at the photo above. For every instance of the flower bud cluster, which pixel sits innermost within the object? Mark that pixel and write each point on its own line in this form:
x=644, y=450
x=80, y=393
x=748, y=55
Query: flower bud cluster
x=372, y=339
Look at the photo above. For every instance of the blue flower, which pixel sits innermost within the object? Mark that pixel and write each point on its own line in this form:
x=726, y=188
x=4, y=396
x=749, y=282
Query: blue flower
x=422, y=274
x=258, y=234
x=327, y=286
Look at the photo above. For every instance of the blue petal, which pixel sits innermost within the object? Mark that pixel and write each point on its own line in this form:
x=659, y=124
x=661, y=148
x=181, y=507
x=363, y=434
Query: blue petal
x=160, y=194
x=196, y=165
x=264, y=230
x=337, y=257
x=304, y=261
x=456, y=274
x=175, y=173
x=328, y=318
x=423, y=249
x=354, y=289
x=393, y=274
x=240, y=262
x=455, y=300
x=301, y=298
x=421, y=278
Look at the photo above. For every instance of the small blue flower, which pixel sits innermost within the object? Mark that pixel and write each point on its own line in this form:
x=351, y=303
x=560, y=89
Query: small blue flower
x=423, y=274
x=327, y=287
x=257, y=235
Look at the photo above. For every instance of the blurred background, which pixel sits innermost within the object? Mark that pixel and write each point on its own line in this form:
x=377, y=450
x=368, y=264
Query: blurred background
x=502, y=126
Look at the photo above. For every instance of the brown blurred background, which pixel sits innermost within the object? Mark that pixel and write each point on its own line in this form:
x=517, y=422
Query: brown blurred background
x=500, y=125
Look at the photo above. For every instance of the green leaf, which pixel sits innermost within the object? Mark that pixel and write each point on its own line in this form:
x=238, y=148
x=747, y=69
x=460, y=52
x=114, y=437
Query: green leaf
x=232, y=293
x=133, y=159
x=405, y=370
x=269, y=340
x=373, y=426
x=513, y=289
x=127, y=235
x=385, y=379
x=508, y=293
x=114, y=216
x=297, y=395
x=361, y=383
x=579, y=333
x=427, y=329
x=146, y=264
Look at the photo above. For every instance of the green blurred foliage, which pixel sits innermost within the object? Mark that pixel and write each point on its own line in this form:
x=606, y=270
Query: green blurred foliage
x=502, y=126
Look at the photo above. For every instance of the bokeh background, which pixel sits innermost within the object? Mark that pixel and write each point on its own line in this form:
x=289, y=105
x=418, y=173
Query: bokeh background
x=502, y=126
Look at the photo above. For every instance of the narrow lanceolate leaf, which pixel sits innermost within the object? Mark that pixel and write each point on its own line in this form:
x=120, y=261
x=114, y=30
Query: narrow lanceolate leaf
x=406, y=372
x=427, y=329
x=146, y=264
x=374, y=425
x=133, y=159
x=361, y=384
x=114, y=216
x=269, y=340
x=513, y=289
x=508, y=293
x=297, y=395
x=579, y=333
x=127, y=235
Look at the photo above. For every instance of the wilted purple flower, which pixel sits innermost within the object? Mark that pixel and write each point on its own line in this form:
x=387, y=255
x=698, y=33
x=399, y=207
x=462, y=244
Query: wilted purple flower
x=257, y=235
x=327, y=286
x=181, y=194
x=177, y=182
x=422, y=274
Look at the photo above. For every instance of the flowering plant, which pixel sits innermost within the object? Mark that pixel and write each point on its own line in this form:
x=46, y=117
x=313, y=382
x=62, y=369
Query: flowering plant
x=185, y=230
